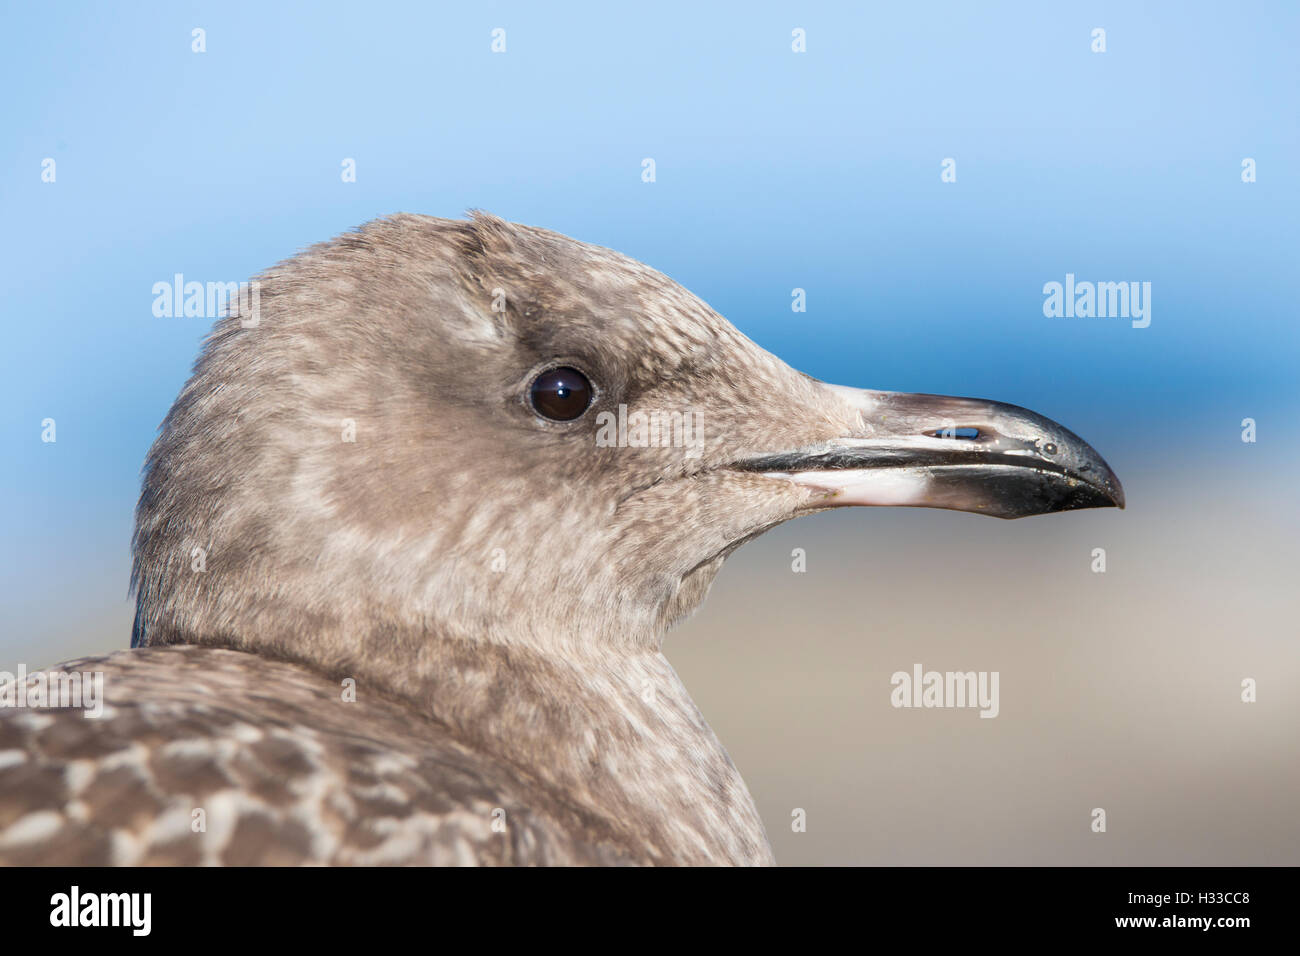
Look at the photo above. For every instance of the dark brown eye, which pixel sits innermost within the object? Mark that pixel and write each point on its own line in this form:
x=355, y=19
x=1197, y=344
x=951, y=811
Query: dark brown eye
x=560, y=394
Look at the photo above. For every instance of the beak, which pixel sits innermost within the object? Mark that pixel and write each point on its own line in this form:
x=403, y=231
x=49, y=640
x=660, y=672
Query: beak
x=962, y=454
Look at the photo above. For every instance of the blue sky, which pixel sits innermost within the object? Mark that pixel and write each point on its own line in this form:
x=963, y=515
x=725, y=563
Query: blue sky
x=775, y=170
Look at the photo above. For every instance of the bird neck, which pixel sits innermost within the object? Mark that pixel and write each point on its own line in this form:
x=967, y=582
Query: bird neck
x=614, y=733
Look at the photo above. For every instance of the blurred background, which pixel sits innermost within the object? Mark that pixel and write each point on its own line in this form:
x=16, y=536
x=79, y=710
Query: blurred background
x=775, y=170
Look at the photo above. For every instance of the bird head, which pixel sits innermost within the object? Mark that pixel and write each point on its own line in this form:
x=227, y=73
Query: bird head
x=437, y=429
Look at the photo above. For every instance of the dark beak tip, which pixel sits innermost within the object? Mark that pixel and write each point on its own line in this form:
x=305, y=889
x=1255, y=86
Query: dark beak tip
x=1110, y=495
x=1114, y=490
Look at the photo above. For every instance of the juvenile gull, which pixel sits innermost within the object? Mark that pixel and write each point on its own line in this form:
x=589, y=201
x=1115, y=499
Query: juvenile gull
x=407, y=548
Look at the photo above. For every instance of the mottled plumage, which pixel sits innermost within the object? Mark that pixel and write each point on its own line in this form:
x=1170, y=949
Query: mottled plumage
x=354, y=495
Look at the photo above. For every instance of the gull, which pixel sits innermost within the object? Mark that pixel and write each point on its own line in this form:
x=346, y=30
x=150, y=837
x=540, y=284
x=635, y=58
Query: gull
x=409, y=542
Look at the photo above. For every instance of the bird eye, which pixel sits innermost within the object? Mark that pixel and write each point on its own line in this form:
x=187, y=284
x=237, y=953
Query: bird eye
x=560, y=394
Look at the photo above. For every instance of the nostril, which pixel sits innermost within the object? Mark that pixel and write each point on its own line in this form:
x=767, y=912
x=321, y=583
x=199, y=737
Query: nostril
x=966, y=434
